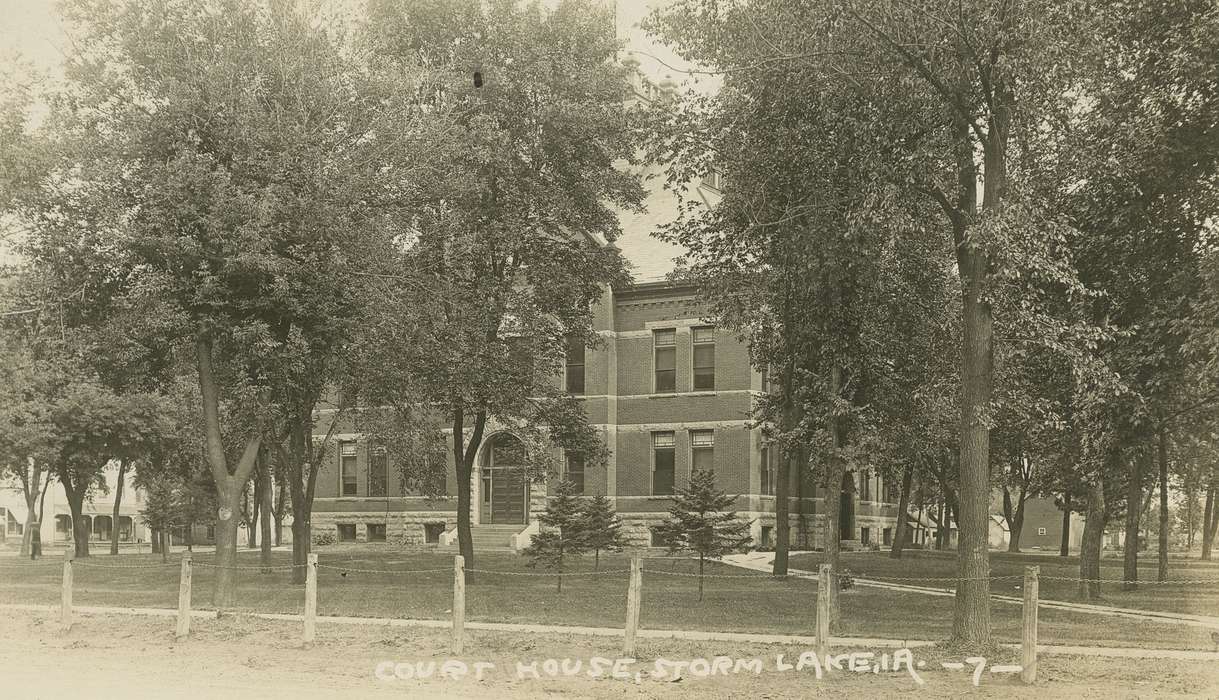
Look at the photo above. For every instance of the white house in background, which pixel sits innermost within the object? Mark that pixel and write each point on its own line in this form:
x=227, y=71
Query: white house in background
x=56, y=529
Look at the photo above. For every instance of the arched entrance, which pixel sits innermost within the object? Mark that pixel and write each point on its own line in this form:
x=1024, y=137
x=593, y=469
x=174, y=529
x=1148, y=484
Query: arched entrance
x=505, y=487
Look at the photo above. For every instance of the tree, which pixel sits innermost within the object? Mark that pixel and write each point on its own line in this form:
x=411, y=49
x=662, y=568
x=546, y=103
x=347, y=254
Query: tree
x=566, y=534
x=602, y=528
x=1144, y=194
x=699, y=521
x=510, y=250
x=948, y=124
x=25, y=435
x=233, y=207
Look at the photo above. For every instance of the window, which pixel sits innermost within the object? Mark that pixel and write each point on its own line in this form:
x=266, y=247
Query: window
x=704, y=358
x=377, y=468
x=664, y=345
x=662, y=463
x=575, y=366
x=887, y=536
x=865, y=486
x=714, y=180
x=1041, y=531
x=432, y=532
x=376, y=532
x=347, y=532
x=702, y=450
x=865, y=536
x=768, y=472
x=768, y=537
x=575, y=471
x=655, y=538
x=14, y=526
x=347, y=468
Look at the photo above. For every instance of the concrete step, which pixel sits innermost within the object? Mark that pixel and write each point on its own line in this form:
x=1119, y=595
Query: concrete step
x=492, y=537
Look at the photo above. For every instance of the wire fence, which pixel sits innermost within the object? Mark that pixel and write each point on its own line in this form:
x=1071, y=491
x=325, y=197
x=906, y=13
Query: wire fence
x=1030, y=581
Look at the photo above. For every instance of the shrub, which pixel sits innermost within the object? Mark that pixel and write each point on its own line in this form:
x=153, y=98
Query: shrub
x=846, y=580
x=323, y=538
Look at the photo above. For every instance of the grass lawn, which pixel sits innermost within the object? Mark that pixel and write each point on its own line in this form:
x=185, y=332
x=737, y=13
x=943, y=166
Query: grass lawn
x=742, y=603
x=1195, y=598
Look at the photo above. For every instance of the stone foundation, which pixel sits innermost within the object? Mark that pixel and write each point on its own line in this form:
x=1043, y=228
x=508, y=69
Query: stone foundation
x=401, y=528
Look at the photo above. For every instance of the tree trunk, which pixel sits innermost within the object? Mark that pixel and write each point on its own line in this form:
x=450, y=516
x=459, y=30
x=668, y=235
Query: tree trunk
x=941, y=525
x=300, y=548
x=250, y=510
x=301, y=462
x=833, y=501
x=1090, y=547
x=1134, y=500
x=229, y=485
x=971, y=625
x=118, y=501
x=155, y=540
x=267, y=505
x=166, y=542
x=903, y=505
x=1064, y=550
x=700, y=577
x=228, y=496
x=1208, y=519
x=1162, y=575
x=302, y=532
x=782, y=513
x=31, y=481
x=463, y=457
x=80, y=531
x=1017, y=525
x=282, y=492
x=783, y=476
x=1014, y=518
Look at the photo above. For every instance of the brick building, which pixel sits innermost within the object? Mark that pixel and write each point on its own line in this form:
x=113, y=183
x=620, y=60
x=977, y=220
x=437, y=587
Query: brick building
x=668, y=391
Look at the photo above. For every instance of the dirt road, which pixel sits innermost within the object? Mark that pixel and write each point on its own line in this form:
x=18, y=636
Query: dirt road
x=238, y=657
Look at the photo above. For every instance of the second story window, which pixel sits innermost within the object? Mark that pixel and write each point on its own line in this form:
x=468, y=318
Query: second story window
x=664, y=344
x=347, y=468
x=704, y=358
x=378, y=465
x=662, y=463
x=575, y=366
x=575, y=472
x=702, y=450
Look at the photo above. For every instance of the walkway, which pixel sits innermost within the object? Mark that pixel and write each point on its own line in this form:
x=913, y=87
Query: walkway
x=762, y=561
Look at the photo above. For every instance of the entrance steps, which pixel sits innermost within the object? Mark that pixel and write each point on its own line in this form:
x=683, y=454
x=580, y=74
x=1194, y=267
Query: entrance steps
x=490, y=537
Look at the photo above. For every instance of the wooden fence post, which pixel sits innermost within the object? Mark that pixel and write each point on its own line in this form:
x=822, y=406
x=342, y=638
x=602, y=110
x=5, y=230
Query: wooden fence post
x=184, y=599
x=310, y=599
x=459, y=604
x=634, y=594
x=1028, y=643
x=65, y=608
x=823, y=611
